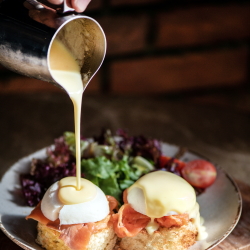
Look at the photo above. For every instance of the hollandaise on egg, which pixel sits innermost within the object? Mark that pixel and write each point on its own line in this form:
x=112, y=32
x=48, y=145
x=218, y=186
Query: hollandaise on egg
x=62, y=200
x=75, y=218
x=161, y=194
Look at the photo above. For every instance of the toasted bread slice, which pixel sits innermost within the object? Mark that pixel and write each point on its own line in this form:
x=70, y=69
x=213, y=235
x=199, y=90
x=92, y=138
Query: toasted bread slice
x=48, y=238
x=174, y=238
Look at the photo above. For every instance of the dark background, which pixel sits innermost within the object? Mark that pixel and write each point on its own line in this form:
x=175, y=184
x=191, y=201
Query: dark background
x=197, y=50
x=177, y=71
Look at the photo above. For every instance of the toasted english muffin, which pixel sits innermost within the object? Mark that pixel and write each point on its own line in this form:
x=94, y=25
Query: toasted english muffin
x=174, y=238
x=48, y=238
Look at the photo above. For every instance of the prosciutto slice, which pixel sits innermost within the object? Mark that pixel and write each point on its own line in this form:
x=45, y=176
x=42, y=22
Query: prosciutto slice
x=75, y=236
x=128, y=222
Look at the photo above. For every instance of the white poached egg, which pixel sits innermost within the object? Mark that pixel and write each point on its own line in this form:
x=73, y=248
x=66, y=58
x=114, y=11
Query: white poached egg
x=85, y=212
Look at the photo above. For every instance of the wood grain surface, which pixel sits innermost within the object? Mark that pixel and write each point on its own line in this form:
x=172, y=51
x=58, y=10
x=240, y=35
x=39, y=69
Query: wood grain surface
x=240, y=236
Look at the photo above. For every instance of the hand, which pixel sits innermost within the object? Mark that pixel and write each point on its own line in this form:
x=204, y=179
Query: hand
x=78, y=5
x=47, y=15
x=44, y=15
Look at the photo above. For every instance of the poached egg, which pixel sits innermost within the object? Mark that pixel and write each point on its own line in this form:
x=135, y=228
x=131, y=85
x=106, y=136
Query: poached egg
x=162, y=193
x=94, y=209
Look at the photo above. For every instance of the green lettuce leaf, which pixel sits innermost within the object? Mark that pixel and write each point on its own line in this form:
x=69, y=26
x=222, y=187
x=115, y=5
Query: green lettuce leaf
x=113, y=176
x=69, y=138
x=100, y=167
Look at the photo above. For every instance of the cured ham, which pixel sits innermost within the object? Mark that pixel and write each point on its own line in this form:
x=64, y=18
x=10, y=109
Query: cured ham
x=173, y=220
x=36, y=214
x=128, y=222
x=75, y=236
x=113, y=203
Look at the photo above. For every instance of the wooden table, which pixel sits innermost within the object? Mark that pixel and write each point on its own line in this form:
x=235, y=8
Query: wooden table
x=31, y=122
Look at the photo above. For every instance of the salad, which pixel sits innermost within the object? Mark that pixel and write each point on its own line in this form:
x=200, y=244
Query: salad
x=112, y=162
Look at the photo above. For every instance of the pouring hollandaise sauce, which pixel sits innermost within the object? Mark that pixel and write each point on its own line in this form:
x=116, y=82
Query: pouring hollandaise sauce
x=66, y=72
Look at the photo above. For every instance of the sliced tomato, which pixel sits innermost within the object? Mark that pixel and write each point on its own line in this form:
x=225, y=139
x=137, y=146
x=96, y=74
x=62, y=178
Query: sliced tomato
x=165, y=162
x=199, y=173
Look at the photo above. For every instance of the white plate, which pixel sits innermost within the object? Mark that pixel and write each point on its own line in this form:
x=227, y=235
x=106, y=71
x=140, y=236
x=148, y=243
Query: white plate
x=220, y=205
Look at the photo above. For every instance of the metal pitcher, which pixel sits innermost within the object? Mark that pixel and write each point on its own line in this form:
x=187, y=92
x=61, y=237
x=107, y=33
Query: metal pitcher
x=25, y=44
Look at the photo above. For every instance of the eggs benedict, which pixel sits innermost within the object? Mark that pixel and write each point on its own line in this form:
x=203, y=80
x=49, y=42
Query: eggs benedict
x=74, y=219
x=159, y=212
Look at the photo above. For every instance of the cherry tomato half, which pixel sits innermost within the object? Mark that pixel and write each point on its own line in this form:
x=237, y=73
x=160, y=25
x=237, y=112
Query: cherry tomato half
x=199, y=173
x=164, y=160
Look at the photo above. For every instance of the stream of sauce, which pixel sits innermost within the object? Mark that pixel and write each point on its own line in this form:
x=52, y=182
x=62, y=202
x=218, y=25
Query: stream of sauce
x=66, y=72
x=175, y=195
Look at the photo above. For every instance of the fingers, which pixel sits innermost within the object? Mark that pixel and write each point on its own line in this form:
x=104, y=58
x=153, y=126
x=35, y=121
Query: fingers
x=56, y=2
x=47, y=16
x=79, y=5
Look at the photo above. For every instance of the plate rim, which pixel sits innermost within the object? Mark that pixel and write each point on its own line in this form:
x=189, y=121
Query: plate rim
x=228, y=176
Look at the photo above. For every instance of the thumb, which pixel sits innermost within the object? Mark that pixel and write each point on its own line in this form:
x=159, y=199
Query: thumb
x=79, y=5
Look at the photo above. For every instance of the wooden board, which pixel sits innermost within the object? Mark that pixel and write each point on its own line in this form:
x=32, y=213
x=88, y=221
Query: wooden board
x=240, y=237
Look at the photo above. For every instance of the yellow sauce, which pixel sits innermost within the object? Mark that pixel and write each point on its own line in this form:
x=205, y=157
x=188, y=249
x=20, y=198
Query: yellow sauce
x=163, y=192
x=152, y=226
x=69, y=195
x=66, y=72
x=166, y=193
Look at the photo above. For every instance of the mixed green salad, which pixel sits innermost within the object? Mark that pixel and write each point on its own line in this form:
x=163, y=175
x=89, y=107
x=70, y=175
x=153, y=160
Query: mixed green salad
x=112, y=162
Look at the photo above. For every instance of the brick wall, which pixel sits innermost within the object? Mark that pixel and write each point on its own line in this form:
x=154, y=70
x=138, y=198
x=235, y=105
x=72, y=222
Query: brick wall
x=157, y=46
